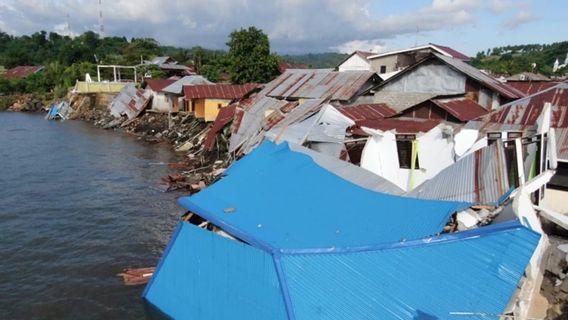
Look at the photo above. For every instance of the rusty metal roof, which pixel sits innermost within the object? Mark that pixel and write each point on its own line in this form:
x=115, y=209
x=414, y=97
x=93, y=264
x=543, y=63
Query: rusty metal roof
x=462, y=108
x=218, y=91
x=158, y=84
x=130, y=102
x=562, y=143
x=450, y=51
x=282, y=67
x=369, y=111
x=485, y=79
x=224, y=116
x=480, y=178
x=319, y=84
x=532, y=87
x=526, y=111
x=21, y=72
x=401, y=125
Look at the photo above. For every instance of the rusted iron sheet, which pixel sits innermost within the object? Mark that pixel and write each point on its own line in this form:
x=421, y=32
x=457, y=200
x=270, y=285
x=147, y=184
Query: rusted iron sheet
x=370, y=111
x=21, y=72
x=319, y=83
x=562, y=143
x=130, y=102
x=158, y=84
x=480, y=178
x=463, y=109
x=485, y=79
x=218, y=91
x=224, y=116
x=532, y=87
x=401, y=125
x=453, y=52
x=526, y=111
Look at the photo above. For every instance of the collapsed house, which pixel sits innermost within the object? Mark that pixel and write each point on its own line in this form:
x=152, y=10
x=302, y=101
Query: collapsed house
x=155, y=87
x=130, y=102
x=375, y=256
x=170, y=66
x=174, y=91
x=519, y=119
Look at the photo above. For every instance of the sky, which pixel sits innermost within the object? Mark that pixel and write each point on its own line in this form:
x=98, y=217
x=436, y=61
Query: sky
x=303, y=26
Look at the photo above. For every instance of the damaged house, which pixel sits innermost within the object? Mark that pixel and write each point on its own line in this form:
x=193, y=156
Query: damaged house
x=205, y=101
x=314, y=259
x=159, y=99
x=174, y=92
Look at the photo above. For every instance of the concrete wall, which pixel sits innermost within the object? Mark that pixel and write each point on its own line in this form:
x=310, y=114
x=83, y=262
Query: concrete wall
x=354, y=63
x=94, y=87
x=389, y=61
x=207, y=109
x=556, y=200
x=160, y=102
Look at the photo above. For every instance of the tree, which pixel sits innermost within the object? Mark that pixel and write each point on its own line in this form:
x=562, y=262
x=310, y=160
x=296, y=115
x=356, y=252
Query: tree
x=250, y=58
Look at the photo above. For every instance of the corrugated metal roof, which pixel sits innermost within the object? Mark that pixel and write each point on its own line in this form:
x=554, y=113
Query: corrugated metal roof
x=224, y=116
x=158, y=84
x=21, y=72
x=475, y=271
x=401, y=125
x=368, y=111
x=177, y=87
x=336, y=214
x=462, y=108
x=485, y=79
x=532, y=87
x=562, y=143
x=318, y=83
x=479, y=178
x=130, y=101
x=452, y=52
x=205, y=276
x=282, y=67
x=218, y=91
x=526, y=111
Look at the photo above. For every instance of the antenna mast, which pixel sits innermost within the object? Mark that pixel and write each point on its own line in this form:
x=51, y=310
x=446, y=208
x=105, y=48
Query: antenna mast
x=101, y=24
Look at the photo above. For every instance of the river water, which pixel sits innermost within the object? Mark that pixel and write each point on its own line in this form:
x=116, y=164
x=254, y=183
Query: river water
x=77, y=205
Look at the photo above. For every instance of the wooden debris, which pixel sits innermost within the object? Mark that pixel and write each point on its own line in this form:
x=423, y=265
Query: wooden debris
x=134, y=277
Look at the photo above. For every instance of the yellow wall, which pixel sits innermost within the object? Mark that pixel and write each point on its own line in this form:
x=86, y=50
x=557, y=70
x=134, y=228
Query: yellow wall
x=207, y=109
x=91, y=87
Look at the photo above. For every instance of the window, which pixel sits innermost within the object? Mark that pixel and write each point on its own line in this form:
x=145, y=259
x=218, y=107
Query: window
x=219, y=106
x=404, y=149
x=492, y=137
x=514, y=135
x=383, y=69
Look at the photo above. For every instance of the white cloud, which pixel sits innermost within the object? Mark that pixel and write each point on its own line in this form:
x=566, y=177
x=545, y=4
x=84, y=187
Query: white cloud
x=375, y=45
x=521, y=18
x=292, y=25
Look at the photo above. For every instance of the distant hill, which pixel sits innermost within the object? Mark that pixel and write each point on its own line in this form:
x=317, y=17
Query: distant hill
x=510, y=60
x=317, y=60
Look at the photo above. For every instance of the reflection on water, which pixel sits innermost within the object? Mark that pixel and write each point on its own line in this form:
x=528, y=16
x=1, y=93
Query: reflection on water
x=77, y=205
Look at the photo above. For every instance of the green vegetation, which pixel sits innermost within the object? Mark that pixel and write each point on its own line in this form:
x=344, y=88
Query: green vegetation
x=510, y=60
x=249, y=57
x=317, y=60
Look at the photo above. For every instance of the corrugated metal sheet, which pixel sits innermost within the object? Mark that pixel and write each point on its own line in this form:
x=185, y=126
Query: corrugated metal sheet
x=130, y=102
x=527, y=110
x=318, y=83
x=474, y=271
x=531, y=87
x=177, y=87
x=368, y=111
x=479, y=178
x=463, y=109
x=295, y=203
x=485, y=79
x=21, y=72
x=224, y=116
x=401, y=125
x=248, y=120
x=205, y=276
x=452, y=52
x=562, y=143
x=350, y=172
x=158, y=84
x=218, y=91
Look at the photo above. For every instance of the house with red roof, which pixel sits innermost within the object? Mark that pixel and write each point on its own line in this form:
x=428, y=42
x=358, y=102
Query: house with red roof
x=205, y=101
x=154, y=87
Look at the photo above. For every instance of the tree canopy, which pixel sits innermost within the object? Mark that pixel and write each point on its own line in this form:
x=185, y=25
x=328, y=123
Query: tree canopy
x=249, y=57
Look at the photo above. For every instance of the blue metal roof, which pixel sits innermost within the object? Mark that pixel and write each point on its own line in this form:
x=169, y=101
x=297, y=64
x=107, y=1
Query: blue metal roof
x=275, y=198
x=204, y=276
x=474, y=271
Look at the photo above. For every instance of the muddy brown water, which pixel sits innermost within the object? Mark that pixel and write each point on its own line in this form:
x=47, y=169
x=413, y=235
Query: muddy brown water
x=77, y=205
